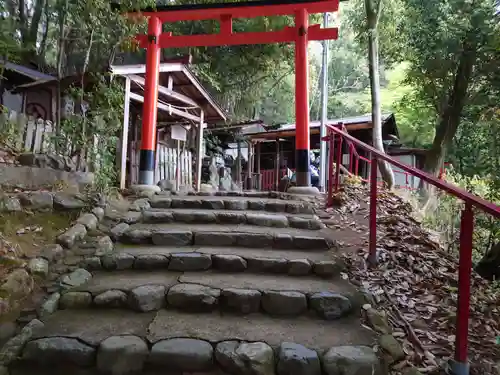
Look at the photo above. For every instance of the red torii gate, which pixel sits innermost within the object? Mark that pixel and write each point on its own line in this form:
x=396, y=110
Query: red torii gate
x=300, y=34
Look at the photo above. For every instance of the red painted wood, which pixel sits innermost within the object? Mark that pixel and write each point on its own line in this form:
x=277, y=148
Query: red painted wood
x=244, y=12
x=149, y=109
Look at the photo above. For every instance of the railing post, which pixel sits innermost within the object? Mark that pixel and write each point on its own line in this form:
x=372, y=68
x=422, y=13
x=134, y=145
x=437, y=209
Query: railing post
x=331, y=150
x=339, y=163
x=372, y=255
x=461, y=365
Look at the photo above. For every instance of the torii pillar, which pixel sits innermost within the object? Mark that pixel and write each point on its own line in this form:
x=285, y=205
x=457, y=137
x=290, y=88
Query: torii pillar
x=302, y=142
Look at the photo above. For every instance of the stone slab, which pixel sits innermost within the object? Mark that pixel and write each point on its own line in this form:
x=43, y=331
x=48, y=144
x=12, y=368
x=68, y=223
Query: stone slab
x=291, y=254
x=93, y=326
x=264, y=282
x=214, y=327
x=127, y=280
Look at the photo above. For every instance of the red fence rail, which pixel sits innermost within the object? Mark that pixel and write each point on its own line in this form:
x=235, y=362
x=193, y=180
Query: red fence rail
x=336, y=136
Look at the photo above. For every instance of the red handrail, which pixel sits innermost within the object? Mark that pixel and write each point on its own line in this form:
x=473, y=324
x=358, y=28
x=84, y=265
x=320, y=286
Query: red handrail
x=460, y=365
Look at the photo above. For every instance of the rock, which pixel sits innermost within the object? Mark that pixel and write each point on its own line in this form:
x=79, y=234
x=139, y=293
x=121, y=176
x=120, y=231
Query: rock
x=229, y=263
x=140, y=205
x=75, y=300
x=276, y=206
x=10, y=205
x=255, y=358
x=91, y=264
x=137, y=236
x=244, y=301
x=172, y=238
x=147, y=298
x=342, y=360
x=157, y=217
x=151, y=261
x=267, y=265
x=327, y=268
x=299, y=208
x=98, y=212
x=330, y=305
x=7, y=331
x=299, y=267
x=232, y=218
x=392, y=347
x=160, y=202
x=4, y=370
x=195, y=217
x=18, y=284
x=39, y=267
x=122, y=355
x=378, y=321
x=305, y=223
x=111, y=298
x=76, y=278
x=284, y=302
x=103, y=245
x=267, y=220
x=186, y=203
x=214, y=239
x=257, y=205
x=193, y=297
x=119, y=230
x=283, y=241
x=68, y=238
x=38, y=200
x=131, y=217
x=295, y=359
x=189, y=262
x=307, y=243
x=50, y=306
x=212, y=204
x=167, y=185
x=67, y=202
x=119, y=261
x=56, y=350
x=89, y=220
x=254, y=240
x=183, y=354
x=236, y=204
x=13, y=348
x=52, y=252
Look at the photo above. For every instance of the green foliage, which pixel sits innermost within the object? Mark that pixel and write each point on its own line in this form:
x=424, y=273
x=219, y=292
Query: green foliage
x=445, y=219
x=94, y=132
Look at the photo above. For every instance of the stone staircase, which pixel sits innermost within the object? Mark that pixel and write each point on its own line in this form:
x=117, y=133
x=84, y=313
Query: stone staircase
x=241, y=284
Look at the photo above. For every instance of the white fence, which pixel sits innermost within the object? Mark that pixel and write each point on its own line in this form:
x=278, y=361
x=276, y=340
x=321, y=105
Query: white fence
x=32, y=135
x=170, y=164
x=36, y=136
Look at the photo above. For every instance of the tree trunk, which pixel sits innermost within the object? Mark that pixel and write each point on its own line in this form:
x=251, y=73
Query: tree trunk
x=489, y=266
x=450, y=118
x=372, y=15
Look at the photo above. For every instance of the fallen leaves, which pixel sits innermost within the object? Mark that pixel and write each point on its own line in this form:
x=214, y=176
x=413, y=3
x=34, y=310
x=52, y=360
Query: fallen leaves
x=416, y=283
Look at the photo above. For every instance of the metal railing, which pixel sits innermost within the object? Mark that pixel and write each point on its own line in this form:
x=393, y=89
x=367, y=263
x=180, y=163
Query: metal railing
x=335, y=136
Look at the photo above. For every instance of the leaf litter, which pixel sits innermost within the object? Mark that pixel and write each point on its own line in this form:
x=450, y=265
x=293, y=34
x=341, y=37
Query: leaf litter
x=416, y=284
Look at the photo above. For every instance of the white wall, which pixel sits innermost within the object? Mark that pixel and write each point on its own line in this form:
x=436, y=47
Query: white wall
x=13, y=102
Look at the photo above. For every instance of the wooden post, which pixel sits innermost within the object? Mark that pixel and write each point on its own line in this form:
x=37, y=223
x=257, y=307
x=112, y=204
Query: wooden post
x=238, y=164
x=277, y=165
x=199, y=151
x=126, y=115
x=259, y=177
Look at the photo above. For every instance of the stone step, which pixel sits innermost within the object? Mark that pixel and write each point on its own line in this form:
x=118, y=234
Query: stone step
x=276, y=295
x=232, y=203
x=241, y=235
x=204, y=216
x=122, y=342
x=224, y=259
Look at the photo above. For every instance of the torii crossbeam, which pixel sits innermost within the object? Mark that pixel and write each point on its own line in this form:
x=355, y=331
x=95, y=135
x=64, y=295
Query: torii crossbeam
x=299, y=34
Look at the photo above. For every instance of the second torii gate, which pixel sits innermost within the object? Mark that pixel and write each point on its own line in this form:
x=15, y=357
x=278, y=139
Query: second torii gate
x=299, y=34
